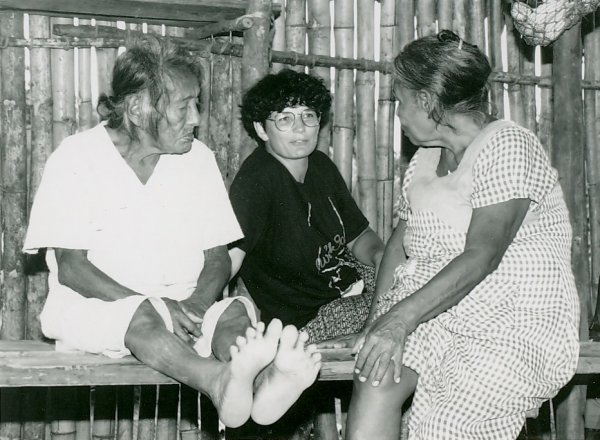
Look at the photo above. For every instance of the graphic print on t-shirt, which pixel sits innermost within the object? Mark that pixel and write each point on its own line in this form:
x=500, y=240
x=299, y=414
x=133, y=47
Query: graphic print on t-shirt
x=332, y=259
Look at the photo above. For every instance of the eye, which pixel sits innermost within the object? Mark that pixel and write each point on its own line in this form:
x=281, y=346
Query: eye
x=309, y=115
x=284, y=118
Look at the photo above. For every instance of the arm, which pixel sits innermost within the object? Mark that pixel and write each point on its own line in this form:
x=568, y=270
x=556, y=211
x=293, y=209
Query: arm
x=491, y=231
x=392, y=257
x=237, y=258
x=367, y=248
x=211, y=281
x=78, y=273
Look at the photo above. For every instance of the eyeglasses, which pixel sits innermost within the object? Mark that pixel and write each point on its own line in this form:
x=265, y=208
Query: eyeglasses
x=284, y=121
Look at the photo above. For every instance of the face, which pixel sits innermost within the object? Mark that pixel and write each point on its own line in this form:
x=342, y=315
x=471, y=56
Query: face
x=176, y=128
x=296, y=143
x=414, y=117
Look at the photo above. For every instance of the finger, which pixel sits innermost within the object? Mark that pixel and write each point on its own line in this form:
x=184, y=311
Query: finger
x=359, y=343
x=191, y=315
x=189, y=326
x=182, y=334
x=397, y=359
x=380, y=368
x=368, y=365
x=363, y=360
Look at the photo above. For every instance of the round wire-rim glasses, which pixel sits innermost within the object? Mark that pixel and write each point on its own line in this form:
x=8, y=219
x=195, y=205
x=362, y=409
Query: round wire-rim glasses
x=284, y=121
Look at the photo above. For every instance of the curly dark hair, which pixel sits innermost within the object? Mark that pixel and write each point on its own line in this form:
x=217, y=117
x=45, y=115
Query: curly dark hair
x=454, y=72
x=277, y=91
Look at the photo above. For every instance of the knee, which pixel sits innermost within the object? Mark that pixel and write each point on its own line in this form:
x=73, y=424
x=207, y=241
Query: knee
x=235, y=313
x=145, y=322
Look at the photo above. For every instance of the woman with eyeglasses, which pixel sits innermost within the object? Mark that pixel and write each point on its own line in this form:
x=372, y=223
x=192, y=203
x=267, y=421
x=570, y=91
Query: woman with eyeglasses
x=476, y=310
x=303, y=232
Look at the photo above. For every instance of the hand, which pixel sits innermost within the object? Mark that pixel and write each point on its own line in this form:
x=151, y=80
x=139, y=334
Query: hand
x=379, y=344
x=186, y=324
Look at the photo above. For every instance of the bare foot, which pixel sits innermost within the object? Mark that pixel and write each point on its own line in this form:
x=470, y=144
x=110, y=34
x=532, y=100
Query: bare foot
x=294, y=369
x=251, y=354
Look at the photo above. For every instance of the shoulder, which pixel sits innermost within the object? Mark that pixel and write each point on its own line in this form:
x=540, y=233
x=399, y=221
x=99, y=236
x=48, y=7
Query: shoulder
x=81, y=149
x=511, y=135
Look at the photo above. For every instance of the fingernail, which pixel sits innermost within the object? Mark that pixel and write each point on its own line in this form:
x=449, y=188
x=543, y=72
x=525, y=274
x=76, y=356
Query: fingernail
x=397, y=379
x=362, y=379
x=375, y=383
x=356, y=371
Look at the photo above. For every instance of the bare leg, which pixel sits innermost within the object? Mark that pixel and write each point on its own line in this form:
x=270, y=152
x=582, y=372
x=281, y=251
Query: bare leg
x=233, y=323
x=229, y=385
x=294, y=369
x=376, y=412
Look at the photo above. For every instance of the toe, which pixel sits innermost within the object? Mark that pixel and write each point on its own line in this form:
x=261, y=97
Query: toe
x=274, y=330
x=289, y=337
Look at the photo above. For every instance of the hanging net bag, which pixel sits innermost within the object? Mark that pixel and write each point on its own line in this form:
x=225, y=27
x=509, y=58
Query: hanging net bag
x=543, y=23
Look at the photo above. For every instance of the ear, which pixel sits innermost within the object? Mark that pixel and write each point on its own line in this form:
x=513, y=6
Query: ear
x=424, y=100
x=134, y=110
x=260, y=131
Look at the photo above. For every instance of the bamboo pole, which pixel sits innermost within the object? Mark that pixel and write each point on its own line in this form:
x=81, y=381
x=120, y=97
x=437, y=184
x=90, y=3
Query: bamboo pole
x=278, y=42
x=528, y=92
x=237, y=128
x=220, y=110
x=445, y=12
x=255, y=63
x=34, y=399
x=475, y=29
x=343, y=122
x=365, y=114
x=592, y=123
x=515, y=97
x=319, y=43
x=13, y=161
x=13, y=202
x=41, y=147
x=385, y=125
x=496, y=25
x=105, y=60
x=426, y=18
x=295, y=28
x=125, y=413
x=405, y=19
x=223, y=27
x=459, y=19
x=568, y=158
x=63, y=93
x=546, y=108
x=87, y=116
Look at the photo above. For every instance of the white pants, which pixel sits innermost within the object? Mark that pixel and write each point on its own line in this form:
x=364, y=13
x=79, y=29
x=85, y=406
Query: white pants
x=96, y=326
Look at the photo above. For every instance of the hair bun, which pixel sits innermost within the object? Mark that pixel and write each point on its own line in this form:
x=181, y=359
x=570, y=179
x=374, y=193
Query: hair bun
x=446, y=35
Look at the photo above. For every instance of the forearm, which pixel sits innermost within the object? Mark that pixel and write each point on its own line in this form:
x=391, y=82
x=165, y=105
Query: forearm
x=79, y=274
x=212, y=280
x=393, y=256
x=446, y=289
x=367, y=248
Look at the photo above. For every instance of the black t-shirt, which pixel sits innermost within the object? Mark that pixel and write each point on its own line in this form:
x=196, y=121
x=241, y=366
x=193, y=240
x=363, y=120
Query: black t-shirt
x=295, y=235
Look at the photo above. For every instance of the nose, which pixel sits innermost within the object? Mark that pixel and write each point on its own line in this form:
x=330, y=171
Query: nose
x=298, y=124
x=193, y=115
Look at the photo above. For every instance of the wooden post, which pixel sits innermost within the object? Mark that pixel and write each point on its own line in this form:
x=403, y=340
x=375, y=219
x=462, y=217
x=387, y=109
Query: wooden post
x=237, y=128
x=568, y=157
x=515, y=97
x=459, y=20
x=87, y=114
x=385, y=125
x=319, y=43
x=365, y=114
x=546, y=109
x=444, y=12
x=255, y=63
x=295, y=28
x=343, y=114
x=496, y=23
x=426, y=12
x=475, y=30
x=279, y=34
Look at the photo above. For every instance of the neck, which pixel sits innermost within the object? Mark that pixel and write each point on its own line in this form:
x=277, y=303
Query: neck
x=465, y=130
x=139, y=154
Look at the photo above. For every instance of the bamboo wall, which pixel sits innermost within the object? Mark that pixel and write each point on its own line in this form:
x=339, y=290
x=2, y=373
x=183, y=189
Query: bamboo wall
x=49, y=91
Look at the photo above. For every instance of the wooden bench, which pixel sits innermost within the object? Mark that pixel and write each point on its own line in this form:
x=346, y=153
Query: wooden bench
x=37, y=364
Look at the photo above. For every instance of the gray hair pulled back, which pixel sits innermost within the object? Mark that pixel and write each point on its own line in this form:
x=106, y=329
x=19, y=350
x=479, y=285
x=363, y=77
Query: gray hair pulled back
x=146, y=69
x=453, y=72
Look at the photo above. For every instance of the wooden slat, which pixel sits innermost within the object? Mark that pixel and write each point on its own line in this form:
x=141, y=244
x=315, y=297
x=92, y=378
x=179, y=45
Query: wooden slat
x=177, y=10
x=35, y=363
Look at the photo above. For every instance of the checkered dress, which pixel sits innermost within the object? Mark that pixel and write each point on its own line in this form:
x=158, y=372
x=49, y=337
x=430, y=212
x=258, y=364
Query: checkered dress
x=512, y=342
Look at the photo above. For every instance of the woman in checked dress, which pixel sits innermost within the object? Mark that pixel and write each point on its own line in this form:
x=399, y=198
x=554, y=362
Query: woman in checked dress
x=475, y=308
